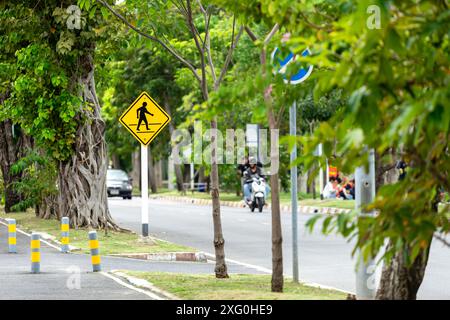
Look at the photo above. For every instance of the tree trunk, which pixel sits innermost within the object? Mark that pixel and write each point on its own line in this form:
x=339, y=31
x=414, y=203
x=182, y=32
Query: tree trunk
x=157, y=167
x=136, y=171
x=179, y=178
x=203, y=178
x=151, y=172
x=47, y=209
x=11, y=150
x=301, y=182
x=277, y=237
x=82, y=178
x=187, y=173
x=8, y=156
x=115, y=161
x=308, y=183
x=399, y=282
x=219, y=241
x=313, y=187
x=379, y=172
x=177, y=167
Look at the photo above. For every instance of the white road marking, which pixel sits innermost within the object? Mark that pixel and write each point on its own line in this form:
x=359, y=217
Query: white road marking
x=251, y=266
x=126, y=285
x=29, y=235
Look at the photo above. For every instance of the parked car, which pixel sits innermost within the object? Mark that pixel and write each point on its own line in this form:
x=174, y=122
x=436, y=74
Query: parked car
x=119, y=184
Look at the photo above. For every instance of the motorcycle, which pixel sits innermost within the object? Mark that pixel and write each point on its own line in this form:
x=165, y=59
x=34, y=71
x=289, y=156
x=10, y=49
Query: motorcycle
x=258, y=195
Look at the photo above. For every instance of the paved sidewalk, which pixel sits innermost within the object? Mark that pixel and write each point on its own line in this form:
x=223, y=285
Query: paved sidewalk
x=16, y=281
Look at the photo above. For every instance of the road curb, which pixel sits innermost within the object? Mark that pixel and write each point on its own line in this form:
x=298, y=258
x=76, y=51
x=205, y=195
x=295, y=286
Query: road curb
x=240, y=204
x=165, y=256
x=144, y=285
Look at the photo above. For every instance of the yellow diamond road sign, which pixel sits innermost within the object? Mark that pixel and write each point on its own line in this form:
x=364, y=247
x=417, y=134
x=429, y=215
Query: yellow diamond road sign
x=144, y=119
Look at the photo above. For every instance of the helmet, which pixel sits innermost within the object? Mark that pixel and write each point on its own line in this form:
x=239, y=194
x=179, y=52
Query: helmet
x=252, y=160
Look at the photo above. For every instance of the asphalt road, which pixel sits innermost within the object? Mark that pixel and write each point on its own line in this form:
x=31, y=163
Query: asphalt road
x=60, y=274
x=59, y=277
x=323, y=259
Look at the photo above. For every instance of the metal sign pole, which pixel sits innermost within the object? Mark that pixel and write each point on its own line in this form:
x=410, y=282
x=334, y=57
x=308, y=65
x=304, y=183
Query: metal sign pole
x=258, y=158
x=144, y=189
x=321, y=185
x=364, y=195
x=293, y=133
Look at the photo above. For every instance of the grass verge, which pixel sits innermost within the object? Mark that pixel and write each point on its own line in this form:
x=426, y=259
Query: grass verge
x=110, y=243
x=237, y=287
x=341, y=204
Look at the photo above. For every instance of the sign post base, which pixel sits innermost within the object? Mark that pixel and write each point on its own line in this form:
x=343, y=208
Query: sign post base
x=145, y=230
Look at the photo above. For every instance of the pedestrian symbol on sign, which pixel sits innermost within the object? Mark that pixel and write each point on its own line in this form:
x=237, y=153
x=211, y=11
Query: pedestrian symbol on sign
x=141, y=115
x=144, y=111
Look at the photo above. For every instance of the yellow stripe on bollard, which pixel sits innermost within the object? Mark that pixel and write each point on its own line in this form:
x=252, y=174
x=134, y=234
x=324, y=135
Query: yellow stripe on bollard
x=95, y=252
x=35, y=257
x=12, y=228
x=35, y=253
x=95, y=259
x=65, y=226
x=12, y=240
x=35, y=244
x=93, y=244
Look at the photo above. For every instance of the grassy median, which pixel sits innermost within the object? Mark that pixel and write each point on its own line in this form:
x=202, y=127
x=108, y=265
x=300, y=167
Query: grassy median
x=237, y=287
x=111, y=242
x=285, y=198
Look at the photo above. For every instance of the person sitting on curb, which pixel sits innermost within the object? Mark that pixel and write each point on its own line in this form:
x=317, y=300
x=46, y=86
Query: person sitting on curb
x=330, y=190
x=347, y=191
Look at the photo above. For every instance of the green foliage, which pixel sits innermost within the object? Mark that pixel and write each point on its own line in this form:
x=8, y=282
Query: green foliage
x=383, y=88
x=229, y=179
x=38, y=180
x=42, y=62
x=389, y=76
x=395, y=82
x=41, y=102
x=40, y=67
x=141, y=65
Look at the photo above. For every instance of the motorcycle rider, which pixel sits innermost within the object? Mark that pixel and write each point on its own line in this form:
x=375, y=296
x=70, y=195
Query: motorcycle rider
x=253, y=170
